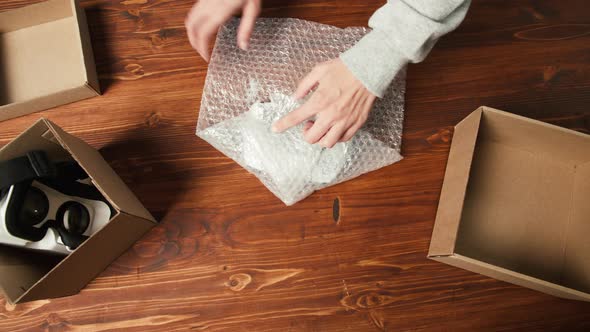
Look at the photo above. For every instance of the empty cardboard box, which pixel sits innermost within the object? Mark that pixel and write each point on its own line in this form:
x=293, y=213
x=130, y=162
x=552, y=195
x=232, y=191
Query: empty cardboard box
x=28, y=275
x=46, y=58
x=514, y=204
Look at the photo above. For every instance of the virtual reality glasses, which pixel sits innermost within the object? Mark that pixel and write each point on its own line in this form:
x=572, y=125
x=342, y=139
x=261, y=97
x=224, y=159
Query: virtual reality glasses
x=48, y=206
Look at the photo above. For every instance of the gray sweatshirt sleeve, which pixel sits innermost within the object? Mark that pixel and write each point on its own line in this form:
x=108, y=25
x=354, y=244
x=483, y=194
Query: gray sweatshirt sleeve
x=403, y=31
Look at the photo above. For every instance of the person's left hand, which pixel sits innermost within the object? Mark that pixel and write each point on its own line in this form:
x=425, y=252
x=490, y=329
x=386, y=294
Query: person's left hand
x=341, y=104
x=206, y=16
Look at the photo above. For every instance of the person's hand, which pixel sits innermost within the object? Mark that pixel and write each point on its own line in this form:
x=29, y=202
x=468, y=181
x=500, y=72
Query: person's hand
x=206, y=16
x=340, y=103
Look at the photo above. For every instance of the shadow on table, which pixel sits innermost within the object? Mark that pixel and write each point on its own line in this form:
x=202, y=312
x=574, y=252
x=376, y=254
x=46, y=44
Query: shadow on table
x=101, y=39
x=138, y=158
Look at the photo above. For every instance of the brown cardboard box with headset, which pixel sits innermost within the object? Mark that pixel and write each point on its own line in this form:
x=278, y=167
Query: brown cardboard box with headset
x=65, y=229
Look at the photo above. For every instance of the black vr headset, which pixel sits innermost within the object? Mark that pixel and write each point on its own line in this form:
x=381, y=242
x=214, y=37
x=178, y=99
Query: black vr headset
x=48, y=206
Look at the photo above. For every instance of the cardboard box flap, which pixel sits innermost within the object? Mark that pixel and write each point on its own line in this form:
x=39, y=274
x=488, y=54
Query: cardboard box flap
x=36, y=14
x=455, y=185
x=512, y=277
x=74, y=272
x=104, y=177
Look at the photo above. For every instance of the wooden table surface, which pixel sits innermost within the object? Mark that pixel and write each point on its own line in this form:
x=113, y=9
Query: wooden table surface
x=229, y=256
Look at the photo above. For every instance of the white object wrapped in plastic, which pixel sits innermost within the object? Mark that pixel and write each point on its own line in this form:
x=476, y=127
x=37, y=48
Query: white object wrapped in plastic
x=245, y=92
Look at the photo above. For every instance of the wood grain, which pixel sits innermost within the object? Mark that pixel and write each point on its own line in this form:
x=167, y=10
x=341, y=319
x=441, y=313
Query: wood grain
x=228, y=256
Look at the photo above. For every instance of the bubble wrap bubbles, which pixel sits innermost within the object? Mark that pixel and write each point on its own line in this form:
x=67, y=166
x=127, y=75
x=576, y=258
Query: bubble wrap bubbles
x=245, y=92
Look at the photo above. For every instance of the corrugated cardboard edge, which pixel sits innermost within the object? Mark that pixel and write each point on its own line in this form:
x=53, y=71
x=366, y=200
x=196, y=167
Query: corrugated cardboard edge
x=512, y=277
x=126, y=201
x=86, y=47
x=454, y=187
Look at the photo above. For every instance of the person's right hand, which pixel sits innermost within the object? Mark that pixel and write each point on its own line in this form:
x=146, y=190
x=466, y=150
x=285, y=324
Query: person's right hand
x=207, y=16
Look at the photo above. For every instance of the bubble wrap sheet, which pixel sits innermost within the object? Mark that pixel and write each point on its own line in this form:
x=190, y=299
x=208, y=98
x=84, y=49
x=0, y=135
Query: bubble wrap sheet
x=245, y=92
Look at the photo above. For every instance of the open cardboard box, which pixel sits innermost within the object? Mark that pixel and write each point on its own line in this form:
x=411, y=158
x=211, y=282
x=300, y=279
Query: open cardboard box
x=27, y=275
x=515, y=204
x=46, y=58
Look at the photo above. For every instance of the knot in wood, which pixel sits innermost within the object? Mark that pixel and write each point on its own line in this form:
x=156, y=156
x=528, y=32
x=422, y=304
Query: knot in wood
x=239, y=281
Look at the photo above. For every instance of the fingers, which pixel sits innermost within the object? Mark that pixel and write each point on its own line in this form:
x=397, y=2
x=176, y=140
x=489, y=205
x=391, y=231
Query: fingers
x=367, y=105
x=332, y=136
x=200, y=33
x=203, y=36
x=317, y=131
x=309, y=108
x=308, y=82
x=349, y=133
x=296, y=117
x=202, y=24
x=249, y=15
x=191, y=28
x=342, y=105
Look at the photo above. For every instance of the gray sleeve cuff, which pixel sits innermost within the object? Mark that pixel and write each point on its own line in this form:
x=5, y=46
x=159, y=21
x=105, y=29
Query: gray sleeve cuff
x=374, y=61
